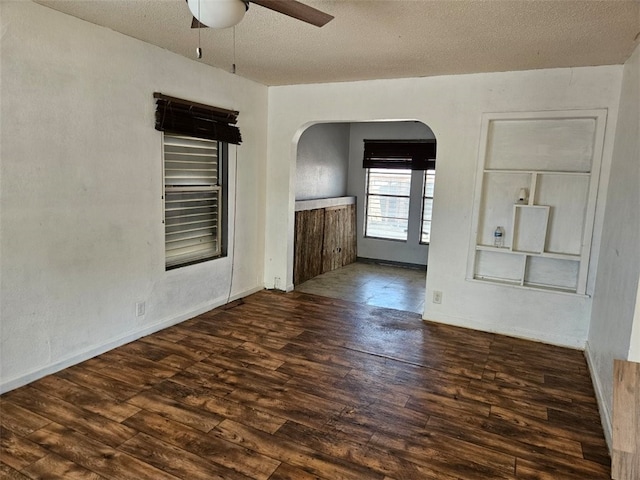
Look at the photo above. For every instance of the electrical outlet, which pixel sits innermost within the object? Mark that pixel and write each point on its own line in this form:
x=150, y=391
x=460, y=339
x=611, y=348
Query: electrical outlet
x=437, y=296
x=140, y=309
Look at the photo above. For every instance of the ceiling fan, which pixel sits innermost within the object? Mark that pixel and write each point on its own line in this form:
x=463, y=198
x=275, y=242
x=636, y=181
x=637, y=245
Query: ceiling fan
x=226, y=13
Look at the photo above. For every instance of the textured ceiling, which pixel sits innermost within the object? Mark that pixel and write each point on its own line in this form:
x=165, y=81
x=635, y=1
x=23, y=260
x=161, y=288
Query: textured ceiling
x=375, y=39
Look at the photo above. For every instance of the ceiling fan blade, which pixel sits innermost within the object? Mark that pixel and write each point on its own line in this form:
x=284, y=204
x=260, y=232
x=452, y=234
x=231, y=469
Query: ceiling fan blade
x=296, y=10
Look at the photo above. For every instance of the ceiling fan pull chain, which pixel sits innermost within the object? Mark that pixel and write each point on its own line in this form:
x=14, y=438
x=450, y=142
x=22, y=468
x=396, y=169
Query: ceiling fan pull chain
x=233, y=66
x=198, y=50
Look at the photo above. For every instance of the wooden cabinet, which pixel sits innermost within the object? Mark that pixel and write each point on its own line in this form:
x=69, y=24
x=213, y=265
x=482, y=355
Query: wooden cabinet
x=553, y=158
x=308, y=244
x=339, y=247
x=325, y=239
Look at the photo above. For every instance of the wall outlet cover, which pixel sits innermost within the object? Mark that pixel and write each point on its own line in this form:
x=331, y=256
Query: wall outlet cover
x=437, y=296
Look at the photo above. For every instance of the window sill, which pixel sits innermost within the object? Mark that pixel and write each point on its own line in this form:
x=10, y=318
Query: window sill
x=192, y=262
x=386, y=239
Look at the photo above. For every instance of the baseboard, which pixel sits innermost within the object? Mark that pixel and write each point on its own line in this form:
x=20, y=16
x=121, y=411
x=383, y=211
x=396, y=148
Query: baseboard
x=605, y=415
x=391, y=263
x=531, y=335
x=130, y=337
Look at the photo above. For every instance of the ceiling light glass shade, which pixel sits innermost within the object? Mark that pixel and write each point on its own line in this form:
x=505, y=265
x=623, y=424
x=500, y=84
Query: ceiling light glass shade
x=218, y=13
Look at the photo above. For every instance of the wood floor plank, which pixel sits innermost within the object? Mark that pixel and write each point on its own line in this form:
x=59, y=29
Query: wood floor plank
x=448, y=455
x=287, y=472
x=233, y=373
x=177, y=461
x=176, y=361
x=89, y=399
x=553, y=471
x=8, y=473
x=496, y=437
x=177, y=348
x=379, y=460
x=54, y=466
x=152, y=401
x=295, y=386
x=20, y=420
x=486, y=396
x=564, y=439
x=64, y=413
x=293, y=453
x=224, y=407
x=136, y=378
x=210, y=447
x=105, y=385
x=444, y=405
x=17, y=451
x=288, y=403
x=94, y=455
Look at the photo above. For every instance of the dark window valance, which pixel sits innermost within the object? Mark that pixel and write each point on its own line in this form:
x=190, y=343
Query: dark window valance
x=184, y=117
x=405, y=154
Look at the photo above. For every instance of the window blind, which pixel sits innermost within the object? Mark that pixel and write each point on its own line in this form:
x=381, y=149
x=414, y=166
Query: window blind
x=192, y=199
x=176, y=115
x=400, y=154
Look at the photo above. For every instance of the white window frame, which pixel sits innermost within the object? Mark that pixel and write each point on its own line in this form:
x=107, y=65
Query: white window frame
x=192, y=199
x=369, y=203
x=426, y=218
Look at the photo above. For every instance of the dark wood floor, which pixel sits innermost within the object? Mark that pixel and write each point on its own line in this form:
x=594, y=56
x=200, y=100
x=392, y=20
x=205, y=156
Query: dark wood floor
x=300, y=387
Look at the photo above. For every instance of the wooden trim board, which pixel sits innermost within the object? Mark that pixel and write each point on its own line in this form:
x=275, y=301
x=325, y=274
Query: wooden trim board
x=625, y=461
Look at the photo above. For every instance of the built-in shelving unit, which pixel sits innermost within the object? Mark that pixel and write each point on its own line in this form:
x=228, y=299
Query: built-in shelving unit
x=537, y=179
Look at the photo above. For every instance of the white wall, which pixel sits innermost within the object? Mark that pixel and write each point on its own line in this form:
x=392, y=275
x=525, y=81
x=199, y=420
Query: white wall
x=452, y=107
x=81, y=181
x=615, y=302
x=322, y=161
x=406, y=252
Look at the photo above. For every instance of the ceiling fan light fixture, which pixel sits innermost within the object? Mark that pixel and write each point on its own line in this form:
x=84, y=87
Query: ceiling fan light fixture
x=218, y=13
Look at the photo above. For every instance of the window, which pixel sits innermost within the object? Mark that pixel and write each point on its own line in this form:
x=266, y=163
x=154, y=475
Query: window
x=390, y=166
x=427, y=205
x=387, y=203
x=195, y=141
x=193, y=199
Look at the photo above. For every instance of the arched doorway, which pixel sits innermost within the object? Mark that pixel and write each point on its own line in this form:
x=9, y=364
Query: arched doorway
x=390, y=268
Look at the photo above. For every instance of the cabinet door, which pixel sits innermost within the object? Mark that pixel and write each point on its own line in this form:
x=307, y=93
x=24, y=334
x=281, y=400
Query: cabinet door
x=333, y=237
x=308, y=241
x=349, y=242
x=339, y=237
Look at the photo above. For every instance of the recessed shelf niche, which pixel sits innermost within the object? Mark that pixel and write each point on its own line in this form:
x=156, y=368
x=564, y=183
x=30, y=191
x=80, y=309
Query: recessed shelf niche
x=553, y=157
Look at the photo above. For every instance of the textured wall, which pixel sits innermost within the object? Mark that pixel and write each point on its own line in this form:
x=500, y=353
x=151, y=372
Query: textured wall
x=615, y=297
x=81, y=184
x=452, y=107
x=323, y=161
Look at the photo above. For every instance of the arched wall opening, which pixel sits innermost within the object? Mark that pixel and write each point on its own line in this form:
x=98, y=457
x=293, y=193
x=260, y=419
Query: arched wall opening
x=328, y=164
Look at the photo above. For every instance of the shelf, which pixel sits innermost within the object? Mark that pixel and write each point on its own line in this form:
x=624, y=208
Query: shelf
x=547, y=238
x=491, y=248
x=539, y=172
x=561, y=256
x=557, y=256
x=527, y=286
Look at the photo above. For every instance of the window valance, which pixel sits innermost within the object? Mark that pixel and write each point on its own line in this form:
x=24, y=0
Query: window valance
x=184, y=117
x=402, y=154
